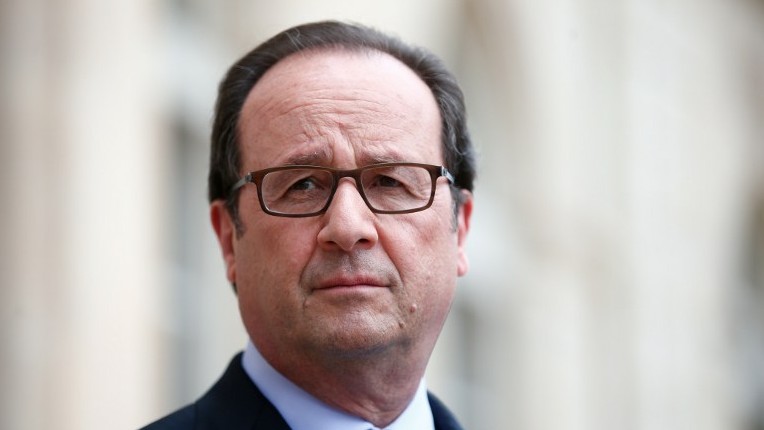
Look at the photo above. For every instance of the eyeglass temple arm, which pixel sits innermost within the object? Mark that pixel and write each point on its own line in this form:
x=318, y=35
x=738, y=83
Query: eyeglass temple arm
x=240, y=183
x=447, y=174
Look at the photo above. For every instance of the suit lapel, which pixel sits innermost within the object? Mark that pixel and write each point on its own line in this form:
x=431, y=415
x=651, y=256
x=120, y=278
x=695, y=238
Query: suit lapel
x=443, y=418
x=235, y=403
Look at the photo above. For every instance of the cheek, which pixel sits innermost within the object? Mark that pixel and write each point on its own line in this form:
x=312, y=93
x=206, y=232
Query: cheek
x=270, y=260
x=425, y=254
x=269, y=264
x=283, y=240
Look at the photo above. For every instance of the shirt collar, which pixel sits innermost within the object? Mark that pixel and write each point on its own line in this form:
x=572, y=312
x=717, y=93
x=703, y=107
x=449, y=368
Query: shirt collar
x=302, y=411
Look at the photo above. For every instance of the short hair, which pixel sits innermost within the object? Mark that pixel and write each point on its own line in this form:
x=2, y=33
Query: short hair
x=225, y=157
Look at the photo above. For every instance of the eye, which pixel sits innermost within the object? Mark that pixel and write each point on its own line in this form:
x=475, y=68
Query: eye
x=387, y=181
x=304, y=184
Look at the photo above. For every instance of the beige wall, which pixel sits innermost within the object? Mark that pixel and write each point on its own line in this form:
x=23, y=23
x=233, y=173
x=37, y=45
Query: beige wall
x=616, y=249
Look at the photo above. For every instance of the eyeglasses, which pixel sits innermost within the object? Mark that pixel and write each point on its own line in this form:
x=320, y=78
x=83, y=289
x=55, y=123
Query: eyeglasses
x=387, y=188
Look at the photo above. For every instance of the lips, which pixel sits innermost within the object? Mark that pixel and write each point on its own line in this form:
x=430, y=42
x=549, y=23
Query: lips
x=350, y=282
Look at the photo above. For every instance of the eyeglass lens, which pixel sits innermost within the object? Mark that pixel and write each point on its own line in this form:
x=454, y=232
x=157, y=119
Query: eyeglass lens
x=307, y=190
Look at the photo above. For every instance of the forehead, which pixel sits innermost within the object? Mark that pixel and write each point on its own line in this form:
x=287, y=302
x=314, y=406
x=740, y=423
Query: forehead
x=339, y=108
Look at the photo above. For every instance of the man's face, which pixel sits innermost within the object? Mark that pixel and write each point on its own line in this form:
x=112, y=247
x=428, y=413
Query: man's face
x=349, y=281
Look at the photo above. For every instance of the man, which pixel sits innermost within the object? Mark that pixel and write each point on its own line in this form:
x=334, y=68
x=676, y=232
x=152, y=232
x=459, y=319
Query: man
x=340, y=192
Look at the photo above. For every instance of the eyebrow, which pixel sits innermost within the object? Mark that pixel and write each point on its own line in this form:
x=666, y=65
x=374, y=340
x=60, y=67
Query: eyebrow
x=314, y=158
x=380, y=158
x=323, y=157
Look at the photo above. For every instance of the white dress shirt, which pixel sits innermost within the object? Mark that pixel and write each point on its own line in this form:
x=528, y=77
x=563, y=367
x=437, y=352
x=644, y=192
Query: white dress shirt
x=302, y=411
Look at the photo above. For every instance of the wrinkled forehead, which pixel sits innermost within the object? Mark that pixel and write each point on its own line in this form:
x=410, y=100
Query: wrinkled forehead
x=320, y=101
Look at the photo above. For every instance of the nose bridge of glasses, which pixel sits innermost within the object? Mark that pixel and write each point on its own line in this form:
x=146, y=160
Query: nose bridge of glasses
x=351, y=178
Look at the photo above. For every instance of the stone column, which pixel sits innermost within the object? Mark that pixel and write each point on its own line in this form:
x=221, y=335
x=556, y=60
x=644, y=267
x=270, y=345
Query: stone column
x=83, y=253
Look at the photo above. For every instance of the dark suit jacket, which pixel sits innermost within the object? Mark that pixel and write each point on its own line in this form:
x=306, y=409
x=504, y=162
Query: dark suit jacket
x=235, y=403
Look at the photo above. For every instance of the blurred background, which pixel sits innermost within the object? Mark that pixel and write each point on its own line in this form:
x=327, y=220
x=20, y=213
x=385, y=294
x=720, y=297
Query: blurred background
x=617, y=245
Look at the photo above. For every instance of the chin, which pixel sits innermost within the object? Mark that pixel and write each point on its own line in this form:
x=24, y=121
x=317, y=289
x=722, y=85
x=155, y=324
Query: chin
x=357, y=342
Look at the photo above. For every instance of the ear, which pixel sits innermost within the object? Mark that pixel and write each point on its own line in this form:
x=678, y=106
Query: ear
x=225, y=231
x=463, y=227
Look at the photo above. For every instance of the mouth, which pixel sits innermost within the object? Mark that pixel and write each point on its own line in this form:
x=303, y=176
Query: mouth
x=350, y=283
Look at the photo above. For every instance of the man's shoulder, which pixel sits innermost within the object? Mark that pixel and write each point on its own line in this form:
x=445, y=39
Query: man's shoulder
x=234, y=402
x=182, y=419
x=442, y=416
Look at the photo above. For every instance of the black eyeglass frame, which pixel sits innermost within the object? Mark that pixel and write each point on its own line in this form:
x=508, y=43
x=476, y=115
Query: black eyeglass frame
x=256, y=177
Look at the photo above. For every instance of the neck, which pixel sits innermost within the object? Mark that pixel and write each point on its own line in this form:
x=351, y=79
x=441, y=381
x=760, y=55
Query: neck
x=376, y=387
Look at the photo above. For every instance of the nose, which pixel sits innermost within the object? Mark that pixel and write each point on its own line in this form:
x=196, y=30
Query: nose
x=348, y=223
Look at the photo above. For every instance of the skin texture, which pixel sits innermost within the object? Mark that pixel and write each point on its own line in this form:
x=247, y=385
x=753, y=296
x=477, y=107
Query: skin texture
x=348, y=304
